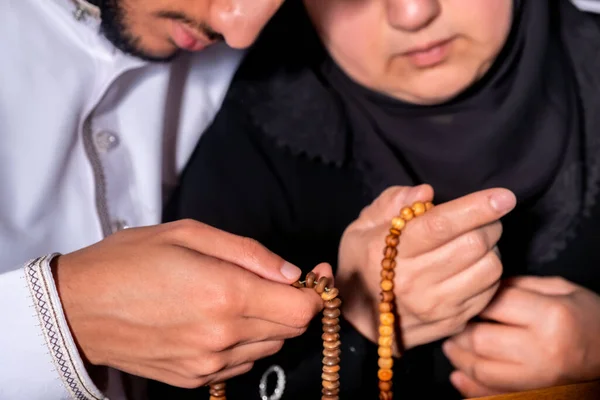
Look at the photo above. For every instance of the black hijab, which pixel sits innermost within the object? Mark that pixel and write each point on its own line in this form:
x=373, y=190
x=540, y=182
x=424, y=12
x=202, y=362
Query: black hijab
x=516, y=128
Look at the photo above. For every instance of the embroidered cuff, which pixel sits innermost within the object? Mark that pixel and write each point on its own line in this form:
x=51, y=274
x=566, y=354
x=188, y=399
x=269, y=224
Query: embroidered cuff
x=55, y=330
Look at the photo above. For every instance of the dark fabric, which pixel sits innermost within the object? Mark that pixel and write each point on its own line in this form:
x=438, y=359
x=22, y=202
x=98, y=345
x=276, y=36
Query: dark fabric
x=278, y=164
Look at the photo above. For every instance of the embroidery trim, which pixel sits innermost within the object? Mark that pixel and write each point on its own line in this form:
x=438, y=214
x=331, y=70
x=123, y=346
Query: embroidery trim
x=45, y=308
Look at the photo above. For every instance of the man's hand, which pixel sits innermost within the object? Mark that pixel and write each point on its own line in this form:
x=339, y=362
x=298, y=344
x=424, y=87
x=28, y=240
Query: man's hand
x=447, y=267
x=540, y=332
x=182, y=303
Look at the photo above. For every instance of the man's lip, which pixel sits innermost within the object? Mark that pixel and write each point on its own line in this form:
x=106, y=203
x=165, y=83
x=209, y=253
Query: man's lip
x=426, y=47
x=188, y=38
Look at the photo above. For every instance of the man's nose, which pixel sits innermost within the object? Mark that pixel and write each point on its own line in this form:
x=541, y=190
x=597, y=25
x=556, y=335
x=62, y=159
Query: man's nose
x=241, y=21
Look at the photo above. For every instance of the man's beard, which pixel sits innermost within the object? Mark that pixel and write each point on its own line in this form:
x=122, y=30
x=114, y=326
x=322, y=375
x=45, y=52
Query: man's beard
x=114, y=28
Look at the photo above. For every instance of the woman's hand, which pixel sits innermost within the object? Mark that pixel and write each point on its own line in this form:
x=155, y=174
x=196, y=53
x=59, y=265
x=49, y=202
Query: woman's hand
x=447, y=269
x=539, y=332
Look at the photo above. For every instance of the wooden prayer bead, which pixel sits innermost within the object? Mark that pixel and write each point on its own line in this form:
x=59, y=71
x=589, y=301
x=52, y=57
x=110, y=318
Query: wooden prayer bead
x=398, y=223
x=387, y=284
x=385, y=274
x=385, y=374
x=331, y=353
x=331, y=385
x=388, y=263
x=321, y=284
x=390, y=252
x=387, y=296
x=330, y=392
x=386, y=386
x=331, y=368
x=331, y=377
x=385, y=352
x=298, y=284
x=418, y=209
x=407, y=214
x=394, y=231
x=387, y=318
x=332, y=345
x=385, y=362
x=335, y=303
x=331, y=361
x=386, y=341
x=330, y=337
x=331, y=328
x=385, y=307
x=428, y=206
x=386, y=330
x=330, y=321
x=385, y=395
x=392, y=240
x=310, y=280
x=330, y=294
x=331, y=312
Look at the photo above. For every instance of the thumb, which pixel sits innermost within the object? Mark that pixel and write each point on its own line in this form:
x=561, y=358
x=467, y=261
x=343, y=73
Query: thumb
x=392, y=200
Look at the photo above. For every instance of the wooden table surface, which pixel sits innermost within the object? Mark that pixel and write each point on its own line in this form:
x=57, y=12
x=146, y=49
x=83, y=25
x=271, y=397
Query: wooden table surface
x=580, y=391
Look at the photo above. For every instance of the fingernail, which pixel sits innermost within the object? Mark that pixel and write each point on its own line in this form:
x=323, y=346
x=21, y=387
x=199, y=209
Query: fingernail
x=290, y=271
x=503, y=201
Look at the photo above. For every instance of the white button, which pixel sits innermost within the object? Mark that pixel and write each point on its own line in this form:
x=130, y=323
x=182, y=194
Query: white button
x=106, y=141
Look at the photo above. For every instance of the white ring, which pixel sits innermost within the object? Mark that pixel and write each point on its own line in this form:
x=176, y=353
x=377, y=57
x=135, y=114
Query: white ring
x=278, y=392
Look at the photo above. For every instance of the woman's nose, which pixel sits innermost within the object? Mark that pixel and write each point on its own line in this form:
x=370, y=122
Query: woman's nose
x=412, y=15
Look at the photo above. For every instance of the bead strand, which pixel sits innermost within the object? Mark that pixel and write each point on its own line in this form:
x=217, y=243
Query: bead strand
x=330, y=376
x=217, y=391
x=331, y=337
x=387, y=318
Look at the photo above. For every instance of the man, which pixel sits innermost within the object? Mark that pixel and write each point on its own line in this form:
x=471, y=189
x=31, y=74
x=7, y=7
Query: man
x=92, y=136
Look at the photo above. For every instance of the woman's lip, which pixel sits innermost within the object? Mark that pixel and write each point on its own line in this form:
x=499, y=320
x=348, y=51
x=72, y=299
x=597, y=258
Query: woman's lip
x=186, y=38
x=429, y=55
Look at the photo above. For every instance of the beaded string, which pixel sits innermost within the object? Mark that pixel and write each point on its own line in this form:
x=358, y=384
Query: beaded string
x=331, y=312
x=386, y=305
x=330, y=376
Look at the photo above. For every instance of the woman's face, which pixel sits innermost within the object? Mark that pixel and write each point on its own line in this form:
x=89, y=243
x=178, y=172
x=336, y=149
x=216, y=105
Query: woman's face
x=421, y=51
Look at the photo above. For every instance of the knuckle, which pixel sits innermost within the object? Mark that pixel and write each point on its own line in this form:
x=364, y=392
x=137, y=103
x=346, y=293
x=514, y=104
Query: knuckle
x=476, y=243
x=301, y=317
x=453, y=325
x=223, y=341
x=403, y=283
x=437, y=226
x=251, y=250
x=210, y=365
x=184, y=227
x=427, y=311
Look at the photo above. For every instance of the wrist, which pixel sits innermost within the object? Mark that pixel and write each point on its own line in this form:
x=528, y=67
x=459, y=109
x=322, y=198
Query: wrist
x=60, y=273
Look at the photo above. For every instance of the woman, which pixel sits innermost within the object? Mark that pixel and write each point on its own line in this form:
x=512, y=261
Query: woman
x=336, y=105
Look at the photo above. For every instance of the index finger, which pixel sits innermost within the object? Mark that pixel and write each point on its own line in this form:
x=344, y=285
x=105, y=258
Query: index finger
x=448, y=221
x=283, y=304
x=242, y=251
